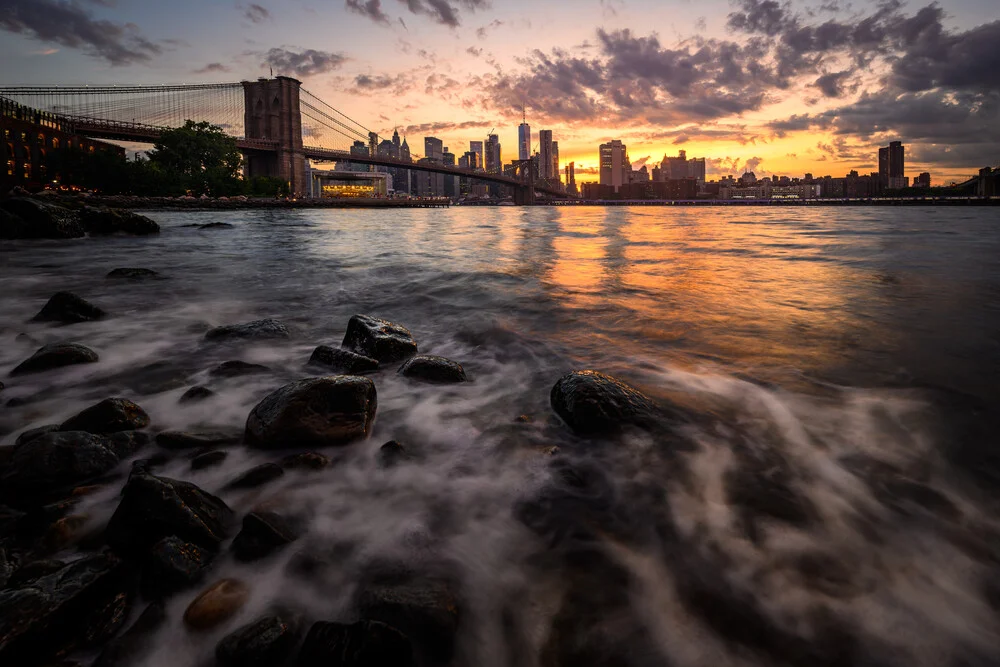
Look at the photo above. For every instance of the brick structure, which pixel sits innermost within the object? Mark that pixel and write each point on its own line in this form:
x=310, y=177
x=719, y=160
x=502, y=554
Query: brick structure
x=271, y=112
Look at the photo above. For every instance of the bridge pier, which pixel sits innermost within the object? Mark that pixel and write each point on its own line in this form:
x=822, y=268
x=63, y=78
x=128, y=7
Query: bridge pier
x=524, y=195
x=271, y=112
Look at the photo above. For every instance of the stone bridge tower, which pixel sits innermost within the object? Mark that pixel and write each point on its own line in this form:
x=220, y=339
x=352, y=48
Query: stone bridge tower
x=271, y=112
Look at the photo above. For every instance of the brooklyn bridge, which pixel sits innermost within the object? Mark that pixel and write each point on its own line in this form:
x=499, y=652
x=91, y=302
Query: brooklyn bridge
x=278, y=126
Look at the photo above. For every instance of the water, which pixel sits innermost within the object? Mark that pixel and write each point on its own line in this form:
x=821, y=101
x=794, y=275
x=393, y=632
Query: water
x=806, y=344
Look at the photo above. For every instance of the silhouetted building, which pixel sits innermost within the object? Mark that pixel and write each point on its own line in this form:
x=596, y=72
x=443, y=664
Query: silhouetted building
x=545, y=154
x=988, y=184
x=891, y=166
x=433, y=148
x=674, y=189
x=523, y=141
x=696, y=169
x=477, y=148
x=922, y=181
x=615, y=166
x=555, y=162
x=571, y=178
x=492, y=160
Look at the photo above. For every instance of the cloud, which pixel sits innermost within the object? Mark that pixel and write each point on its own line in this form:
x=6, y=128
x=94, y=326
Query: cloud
x=832, y=84
x=371, y=9
x=440, y=128
x=368, y=84
x=255, y=13
x=482, y=31
x=474, y=51
x=211, y=68
x=69, y=24
x=442, y=11
x=303, y=63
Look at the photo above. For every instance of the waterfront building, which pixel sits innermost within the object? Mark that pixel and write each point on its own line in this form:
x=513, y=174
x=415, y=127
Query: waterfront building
x=615, y=166
x=922, y=181
x=891, y=166
x=348, y=184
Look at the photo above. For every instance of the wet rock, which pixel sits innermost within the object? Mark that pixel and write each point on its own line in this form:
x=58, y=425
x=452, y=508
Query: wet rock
x=263, y=533
x=362, y=644
x=379, y=339
x=104, y=221
x=54, y=462
x=265, y=642
x=257, y=476
x=129, y=648
x=429, y=368
x=762, y=483
x=235, y=369
x=6, y=568
x=32, y=433
x=305, y=461
x=257, y=330
x=56, y=355
x=208, y=460
x=108, y=416
x=320, y=412
x=78, y=605
x=126, y=443
x=341, y=361
x=592, y=403
x=392, y=453
x=68, y=308
x=9, y=520
x=195, y=395
x=216, y=604
x=133, y=273
x=153, y=508
x=215, y=225
x=33, y=571
x=173, y=565
x=154, y=378
x=32, y=219
x=65, y=532
x=175, y=440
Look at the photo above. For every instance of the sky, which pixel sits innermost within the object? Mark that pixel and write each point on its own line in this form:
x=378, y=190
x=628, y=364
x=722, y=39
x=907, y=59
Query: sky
x=780, y=87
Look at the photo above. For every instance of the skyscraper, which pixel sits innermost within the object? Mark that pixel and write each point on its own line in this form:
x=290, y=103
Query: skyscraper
x=571, y=178
x=433, y=148
x=545, y=154
x=891, y=166
x=492, y=159
x=523, y=141
x=615, y=166
x=696, y=168
x=555, y=160
x=477, y=148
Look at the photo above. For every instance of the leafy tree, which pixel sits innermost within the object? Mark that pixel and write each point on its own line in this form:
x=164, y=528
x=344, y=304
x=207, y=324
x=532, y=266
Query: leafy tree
x=204, y=158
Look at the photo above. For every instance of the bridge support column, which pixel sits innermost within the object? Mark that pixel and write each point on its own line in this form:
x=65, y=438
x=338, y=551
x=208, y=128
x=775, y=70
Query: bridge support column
x=524, y=195
x=271, y=112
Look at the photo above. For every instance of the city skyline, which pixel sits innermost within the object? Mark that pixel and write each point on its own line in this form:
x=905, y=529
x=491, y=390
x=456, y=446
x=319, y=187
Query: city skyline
x=786, y=88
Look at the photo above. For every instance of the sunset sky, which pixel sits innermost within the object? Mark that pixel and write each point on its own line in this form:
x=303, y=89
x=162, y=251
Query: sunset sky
x=782, y=87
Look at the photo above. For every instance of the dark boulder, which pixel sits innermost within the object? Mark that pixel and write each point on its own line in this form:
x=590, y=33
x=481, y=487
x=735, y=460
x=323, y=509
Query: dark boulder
x=265, y=642
x=68, y=308
x=33, y=571
x=216, y=604
x=392, y=453
x=215, y=225
x=133, y=273
x=126, y=443
x=32, y=219
x=256, y=476
x=32, y=433
x=130, y=646
x=183, y=440
x=320, y=412
x=56, y=462
x=108, y=416
x=104, y=221
x=56, y=355
x=592, y=403
x=305, y=461
x=153, y=508
x=195, y=395
x=173, y=565
x=208, y=459
x=379, y=339
x=79, y=605
x=235, y=369
x=341, y=361
x=257, y=330
x=429, y=368
x=361, y=644
x=10, y=519
x=263, y=533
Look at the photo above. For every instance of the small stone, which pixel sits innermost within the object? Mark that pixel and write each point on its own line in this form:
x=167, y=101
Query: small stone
x=305, y=461
x=265, y=642
x=68, y=308
x=108, y=416
x=593, y=403
x=257, y=476
x=235, y=369
x=195, y=395
x=172, y=565
x=262, y=534
x=362, y=644
x=208, y=459
x=175, y=440
x=216, y=604
x=133, y=274
x=379, y=339
x=105, y=221
x=257, y=330
x=392, y=453
x=433, y=369
x=56, y=355
x=341, y=361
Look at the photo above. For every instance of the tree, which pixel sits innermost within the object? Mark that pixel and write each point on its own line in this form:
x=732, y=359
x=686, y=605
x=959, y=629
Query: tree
x=203, y=157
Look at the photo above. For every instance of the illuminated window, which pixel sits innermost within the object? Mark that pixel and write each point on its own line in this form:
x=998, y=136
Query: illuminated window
x=6, y=135
x=91, y=149
x=41, y=138
x=24, y=137
x=27, y=170
x=55, y=142
x=10, y=167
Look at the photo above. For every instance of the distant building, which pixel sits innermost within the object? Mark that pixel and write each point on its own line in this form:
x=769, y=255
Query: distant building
x=988, y=183
x=891, y=166
x=348, y=184
x=571, y=178
x=360, y=149
x=555, y=162
x=639, y=175
x=451, y=183
x=523, y=141
x=544, y=154
x=696, y=169
x=615, y=166
x=492, y=161
x=477, y=148
x=433, y=148
x=922, y=181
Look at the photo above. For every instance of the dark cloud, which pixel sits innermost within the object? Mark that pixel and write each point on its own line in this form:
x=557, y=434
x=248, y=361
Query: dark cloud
x=482, y=31
x=211, y=68
x=833, y=84
x=367, y=84
x=438, y=128
x=303, y=63
x=473, y=51
x=443, y=11
x=255, y=13
x=69, y=24
x=371, y=9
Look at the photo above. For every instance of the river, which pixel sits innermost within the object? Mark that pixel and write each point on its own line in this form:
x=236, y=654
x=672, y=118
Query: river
x=854, y=350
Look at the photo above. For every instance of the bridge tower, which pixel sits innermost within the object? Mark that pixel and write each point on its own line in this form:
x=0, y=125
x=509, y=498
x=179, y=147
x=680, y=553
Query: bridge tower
x=524, y=194
x=271, y=112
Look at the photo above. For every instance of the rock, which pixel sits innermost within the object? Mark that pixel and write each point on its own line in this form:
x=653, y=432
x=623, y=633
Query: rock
x=56, y=355
x=257, y=330
x=129, y=648
x=108, y=416
x=55, y=462
x=32, y=433
x=305, y=461
x=104, y=221
x=216, y=604
x=31, y=219
x=379, y=339
x=183, y=440
x=215, y=225
x=208, y=459
x=392, y=453
x=68, y=308
x=153, y=508
x=341, y=361
x=257, y=476
x=65, y=532
x=196, y=395
x=33, y=571
x=173, y=565
x=133, y=273
x=78, y=605
x=262, y=534
x=235, y=369
x=265, y=642
x=433, y=369
x=593, y=403
x=9, y=520
x=126, y=443
x=362, y=644
x=320, y=412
